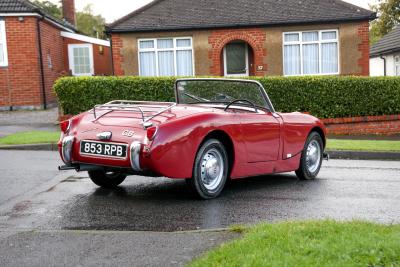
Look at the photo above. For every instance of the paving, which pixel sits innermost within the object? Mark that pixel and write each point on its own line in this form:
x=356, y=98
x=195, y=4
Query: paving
x=50, y=218
x=21, y=121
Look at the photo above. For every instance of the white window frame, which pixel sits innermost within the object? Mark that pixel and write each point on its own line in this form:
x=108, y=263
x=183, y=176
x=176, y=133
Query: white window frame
x=247, y=63
x=174, y=49
x=319, y=42
x=71, y=59
x=396, y=65
x=3, y=41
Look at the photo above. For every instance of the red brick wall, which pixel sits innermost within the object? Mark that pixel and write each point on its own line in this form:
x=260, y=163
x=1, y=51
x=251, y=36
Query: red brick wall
x=255, y=38
x=370, y=125
x=363, y=62
x=118, y=58
x=53, y=59
x=20, y=83
x=101, y=61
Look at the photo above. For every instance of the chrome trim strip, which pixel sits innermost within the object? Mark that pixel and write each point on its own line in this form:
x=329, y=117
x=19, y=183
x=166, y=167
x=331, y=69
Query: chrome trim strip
x=135, y=155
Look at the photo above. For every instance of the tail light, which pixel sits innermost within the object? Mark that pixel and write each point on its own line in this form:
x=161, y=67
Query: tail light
x=151, y=132
x=65, y=125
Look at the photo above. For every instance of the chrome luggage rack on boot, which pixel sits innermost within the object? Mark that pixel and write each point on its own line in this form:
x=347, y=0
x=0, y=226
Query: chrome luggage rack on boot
x=127, y=105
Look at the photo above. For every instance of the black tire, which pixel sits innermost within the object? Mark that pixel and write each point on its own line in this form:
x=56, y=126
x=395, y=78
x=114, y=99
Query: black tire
x=106, y=179
x=217, y=166
x=305, y=172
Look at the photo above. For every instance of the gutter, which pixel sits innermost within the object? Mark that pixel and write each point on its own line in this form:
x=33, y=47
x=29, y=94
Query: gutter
x=41, y=63
x=384, y=65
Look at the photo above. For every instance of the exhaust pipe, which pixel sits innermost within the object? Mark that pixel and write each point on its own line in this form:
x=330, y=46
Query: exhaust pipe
x=80, y=168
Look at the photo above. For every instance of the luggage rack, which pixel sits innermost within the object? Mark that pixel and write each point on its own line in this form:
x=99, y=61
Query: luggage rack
x=127, y=105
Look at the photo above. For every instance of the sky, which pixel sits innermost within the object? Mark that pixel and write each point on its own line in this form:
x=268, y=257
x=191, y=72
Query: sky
x=114, y=9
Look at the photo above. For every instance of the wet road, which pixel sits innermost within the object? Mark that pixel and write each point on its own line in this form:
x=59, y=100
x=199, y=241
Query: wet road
x=34, y=196
x=345, y=190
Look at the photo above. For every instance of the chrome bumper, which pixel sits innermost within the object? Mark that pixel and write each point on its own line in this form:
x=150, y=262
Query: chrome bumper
x=135, y=155
x=66, y=149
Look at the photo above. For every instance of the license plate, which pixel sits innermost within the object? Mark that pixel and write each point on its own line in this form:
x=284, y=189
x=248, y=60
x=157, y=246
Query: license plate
x=110, y=150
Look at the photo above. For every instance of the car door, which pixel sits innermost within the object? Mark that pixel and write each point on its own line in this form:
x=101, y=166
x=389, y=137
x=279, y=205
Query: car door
x=261, y=134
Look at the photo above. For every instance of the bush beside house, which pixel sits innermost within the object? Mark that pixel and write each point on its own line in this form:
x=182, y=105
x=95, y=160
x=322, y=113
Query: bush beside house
x=324, y=97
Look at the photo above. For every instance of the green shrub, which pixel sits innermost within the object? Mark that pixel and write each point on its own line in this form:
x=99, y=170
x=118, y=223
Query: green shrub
x=324, y=97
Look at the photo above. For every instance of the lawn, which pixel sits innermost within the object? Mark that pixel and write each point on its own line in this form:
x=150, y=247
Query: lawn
x=33, y=137
x=363, y=145
x=319, y=243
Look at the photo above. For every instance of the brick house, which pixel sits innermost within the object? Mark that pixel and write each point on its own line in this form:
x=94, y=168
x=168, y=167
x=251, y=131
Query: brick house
x=36, y=49
x=240, y=37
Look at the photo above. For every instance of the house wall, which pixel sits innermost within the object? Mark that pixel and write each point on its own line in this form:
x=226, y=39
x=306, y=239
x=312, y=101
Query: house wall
x=101, y=60
x=266, y=44
x=377, y=65
x=20, y=84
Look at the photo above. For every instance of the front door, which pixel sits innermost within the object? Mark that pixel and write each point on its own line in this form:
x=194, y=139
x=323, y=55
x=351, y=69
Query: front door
x=261, y=134
x=236, y=59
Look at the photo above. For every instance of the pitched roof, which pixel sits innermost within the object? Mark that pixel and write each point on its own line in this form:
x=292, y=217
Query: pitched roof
x=201, y=14
x=25, y=6
x=388, y=44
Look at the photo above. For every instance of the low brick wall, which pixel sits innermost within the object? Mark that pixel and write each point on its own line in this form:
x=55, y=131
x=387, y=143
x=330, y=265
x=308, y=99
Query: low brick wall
x=368, y=125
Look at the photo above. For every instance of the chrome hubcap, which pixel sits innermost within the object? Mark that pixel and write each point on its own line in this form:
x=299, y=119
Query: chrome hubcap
x=212, y=169
x=313, y=158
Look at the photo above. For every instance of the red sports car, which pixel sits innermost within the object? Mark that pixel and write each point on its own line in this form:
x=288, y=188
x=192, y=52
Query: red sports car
x=217, y=129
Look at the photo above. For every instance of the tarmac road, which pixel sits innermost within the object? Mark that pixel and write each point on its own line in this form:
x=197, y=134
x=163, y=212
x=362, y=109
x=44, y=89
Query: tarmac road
x=63, y=218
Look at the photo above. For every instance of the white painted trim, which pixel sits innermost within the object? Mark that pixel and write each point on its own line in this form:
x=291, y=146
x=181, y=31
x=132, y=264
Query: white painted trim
x=174, y=49
x=85, y=38
x=71, y=59
x=319, y=42
x=19, y=15
x=3, y=41
x=247, y=63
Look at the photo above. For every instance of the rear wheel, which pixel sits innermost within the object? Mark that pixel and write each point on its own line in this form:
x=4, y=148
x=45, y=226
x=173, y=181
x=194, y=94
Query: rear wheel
x=106, y=179
x=210, y=170
x=311, y=157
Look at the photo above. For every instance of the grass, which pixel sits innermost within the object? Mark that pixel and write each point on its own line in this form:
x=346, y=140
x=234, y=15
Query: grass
x=363, y=145
x=319, y=243
x=33, y=137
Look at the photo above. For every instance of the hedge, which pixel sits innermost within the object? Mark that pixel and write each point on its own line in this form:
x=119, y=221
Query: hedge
x=322, y=96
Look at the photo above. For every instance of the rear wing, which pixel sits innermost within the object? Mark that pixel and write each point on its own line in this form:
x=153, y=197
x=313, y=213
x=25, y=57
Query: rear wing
x=135, y=106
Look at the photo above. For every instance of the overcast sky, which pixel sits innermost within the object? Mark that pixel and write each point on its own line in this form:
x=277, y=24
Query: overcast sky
x=114, y=9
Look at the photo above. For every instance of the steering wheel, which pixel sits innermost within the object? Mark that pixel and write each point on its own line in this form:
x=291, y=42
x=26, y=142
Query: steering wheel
x=241, y=100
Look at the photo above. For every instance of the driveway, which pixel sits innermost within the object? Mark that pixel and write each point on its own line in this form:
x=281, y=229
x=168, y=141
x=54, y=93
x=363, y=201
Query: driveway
x=63, y=215
x=22, y=121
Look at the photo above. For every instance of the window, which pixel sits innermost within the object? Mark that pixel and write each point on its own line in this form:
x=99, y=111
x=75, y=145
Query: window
x=397, y=65
x=311, y=53
x=81, y=59
x=3, y=44
x=166, y=57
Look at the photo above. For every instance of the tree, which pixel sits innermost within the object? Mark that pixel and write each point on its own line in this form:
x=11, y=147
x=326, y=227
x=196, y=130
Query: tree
x=87, y=22
x=90, y=24
x=388, y=17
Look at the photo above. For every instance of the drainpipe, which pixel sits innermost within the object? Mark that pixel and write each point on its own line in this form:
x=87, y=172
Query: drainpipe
x=112, y=55
x=384, y=65
x=41, y=63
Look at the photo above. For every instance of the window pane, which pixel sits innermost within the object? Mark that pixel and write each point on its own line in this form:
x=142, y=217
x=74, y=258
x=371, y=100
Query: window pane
x=310, y=36
x=166, y=63
x=146, y=44
x=236, y=58
x=292, y=37
x=184, y=63
x=329, y=54
x=329, y=35
x=165, y=43
x=1, y=53
x=292, y=60
x=148, y=64
x=183, y=43
x=310, y=59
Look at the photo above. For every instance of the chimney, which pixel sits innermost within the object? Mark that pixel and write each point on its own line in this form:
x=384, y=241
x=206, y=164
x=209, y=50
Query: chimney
x=68, y=7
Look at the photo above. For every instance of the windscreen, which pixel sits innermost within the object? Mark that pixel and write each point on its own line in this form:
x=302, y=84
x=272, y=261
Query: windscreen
x=219, y=91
